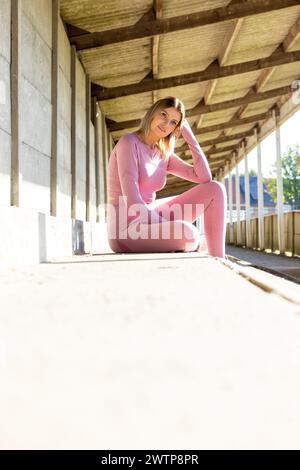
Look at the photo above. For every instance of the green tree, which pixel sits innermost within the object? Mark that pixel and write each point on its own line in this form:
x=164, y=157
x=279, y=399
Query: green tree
x=290, y=178
x=252, y=172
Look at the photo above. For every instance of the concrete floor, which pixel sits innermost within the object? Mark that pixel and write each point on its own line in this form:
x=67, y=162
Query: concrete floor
x=147, y=351
x=288, y=267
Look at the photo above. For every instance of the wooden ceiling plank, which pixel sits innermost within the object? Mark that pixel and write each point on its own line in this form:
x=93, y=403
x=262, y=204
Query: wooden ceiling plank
x=150, y=27
x=253, y=98
x=292, y=37
x=212, y=72
x=231, y=36
x=266, y=74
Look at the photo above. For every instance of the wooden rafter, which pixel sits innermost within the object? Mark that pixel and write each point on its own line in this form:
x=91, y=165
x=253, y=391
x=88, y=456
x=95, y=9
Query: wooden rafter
x=157, y=7
x=202, y=109
x=225, y=51
x=232, y=34
x=233, y=123
x=292, y=37
x=154, y=27
x=219, y=140
x=213, y=150
x=212, y=72
x=266, y=74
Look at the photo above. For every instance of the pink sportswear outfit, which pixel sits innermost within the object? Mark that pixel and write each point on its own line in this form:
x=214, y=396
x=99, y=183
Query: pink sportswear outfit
x=136, y=225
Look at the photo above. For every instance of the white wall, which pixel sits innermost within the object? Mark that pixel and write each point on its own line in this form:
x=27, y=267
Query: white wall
x=30, y=226
x=5, y=117
x=64, y=177
x=35, y=104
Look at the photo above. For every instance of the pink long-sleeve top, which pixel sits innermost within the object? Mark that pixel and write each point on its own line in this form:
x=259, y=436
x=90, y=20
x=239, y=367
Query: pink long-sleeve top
x=137, y=171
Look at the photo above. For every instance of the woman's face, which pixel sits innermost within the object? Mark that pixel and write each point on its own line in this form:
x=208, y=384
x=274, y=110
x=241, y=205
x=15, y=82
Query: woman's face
x=165, y=121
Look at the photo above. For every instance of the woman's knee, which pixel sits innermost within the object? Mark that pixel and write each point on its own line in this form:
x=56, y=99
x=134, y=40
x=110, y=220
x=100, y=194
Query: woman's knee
x=218, y=188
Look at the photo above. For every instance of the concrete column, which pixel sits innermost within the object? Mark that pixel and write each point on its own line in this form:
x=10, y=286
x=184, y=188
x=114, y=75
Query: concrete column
x=54, y=102
x=15, y=103
x=73, y=131
x=104, y=156
x=280, y=211
x=97, y=156
x=87, y=147
x=230, y=202
x=238, y=201
x=222, y=176
x=261, y=241
x=247, y=199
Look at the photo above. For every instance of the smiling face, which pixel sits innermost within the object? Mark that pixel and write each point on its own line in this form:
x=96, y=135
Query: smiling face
x=165, y=121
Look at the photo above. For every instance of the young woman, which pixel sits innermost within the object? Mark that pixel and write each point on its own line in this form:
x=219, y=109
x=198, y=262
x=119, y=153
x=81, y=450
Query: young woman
x=137, y=168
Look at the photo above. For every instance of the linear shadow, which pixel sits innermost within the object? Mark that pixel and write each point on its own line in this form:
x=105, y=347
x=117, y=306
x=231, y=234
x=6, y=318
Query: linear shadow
x=92, y=260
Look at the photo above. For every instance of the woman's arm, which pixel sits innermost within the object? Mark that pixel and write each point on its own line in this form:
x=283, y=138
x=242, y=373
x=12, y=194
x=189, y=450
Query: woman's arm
x=197, y=173
x=129, y=179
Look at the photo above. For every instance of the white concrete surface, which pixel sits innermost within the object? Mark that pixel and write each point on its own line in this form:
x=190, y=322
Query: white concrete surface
x=80, y=142
x=5, y=29
x=163, y=351
x=64, y=177
x=35, y=105
x=5, y=164
x=5, y=111
x=29, y=237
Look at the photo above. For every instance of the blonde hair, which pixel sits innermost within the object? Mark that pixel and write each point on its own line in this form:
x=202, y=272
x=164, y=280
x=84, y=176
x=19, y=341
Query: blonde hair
x=166, y=144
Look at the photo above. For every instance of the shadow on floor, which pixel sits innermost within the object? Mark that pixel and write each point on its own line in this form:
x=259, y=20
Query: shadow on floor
x=279, y=265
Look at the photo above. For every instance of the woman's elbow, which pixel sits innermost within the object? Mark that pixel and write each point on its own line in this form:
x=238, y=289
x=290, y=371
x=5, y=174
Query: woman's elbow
x=208, y=179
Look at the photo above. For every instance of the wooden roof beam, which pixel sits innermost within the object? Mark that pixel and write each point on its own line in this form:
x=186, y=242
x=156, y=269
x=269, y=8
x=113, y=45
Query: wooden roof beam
x=231, y=36
x=238, y=122
x=253, y=98
x=213, y=71
x=220, y=140
x=292, y=37
x=157, y=7
x=226, y=49
x=150, y=27
x=266, y=74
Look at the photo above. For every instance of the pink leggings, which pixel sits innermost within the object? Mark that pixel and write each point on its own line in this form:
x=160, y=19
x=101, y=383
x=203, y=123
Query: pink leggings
x=210, y=198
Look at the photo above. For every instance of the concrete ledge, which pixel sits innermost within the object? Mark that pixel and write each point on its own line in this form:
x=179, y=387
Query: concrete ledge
x=29, y=237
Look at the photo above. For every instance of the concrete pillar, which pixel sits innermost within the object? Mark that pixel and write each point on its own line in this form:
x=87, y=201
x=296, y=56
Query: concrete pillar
x=230, y=202
x=247, y=199
x=261, y=241
x=280, y=211
x=73, y=131
x=87, y=147
x=102, y=176
x=238, y=201
x=97, y=156
x=222, y=176
x=105, y=159
x=15, y=103
x=54, y=102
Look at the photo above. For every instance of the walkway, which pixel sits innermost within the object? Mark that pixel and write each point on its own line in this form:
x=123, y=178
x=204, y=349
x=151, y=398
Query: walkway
x=287, y=267
x=160, y=351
